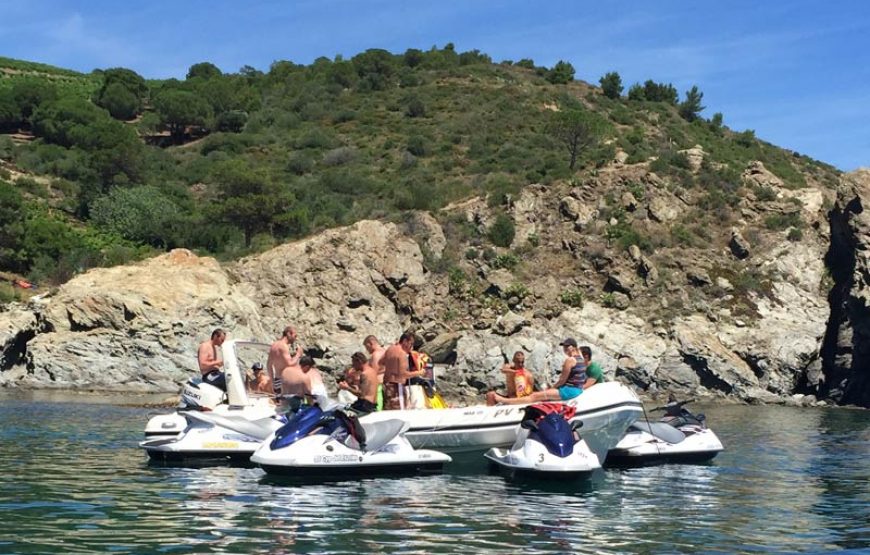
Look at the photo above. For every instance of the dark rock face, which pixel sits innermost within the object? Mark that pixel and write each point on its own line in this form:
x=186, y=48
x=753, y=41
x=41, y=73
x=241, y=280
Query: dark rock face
x=846, y=349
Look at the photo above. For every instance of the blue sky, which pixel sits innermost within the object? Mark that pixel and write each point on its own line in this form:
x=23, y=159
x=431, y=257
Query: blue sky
x=797, y=72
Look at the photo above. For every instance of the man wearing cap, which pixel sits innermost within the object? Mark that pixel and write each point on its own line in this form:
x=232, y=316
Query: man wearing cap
x=259, y=381
x=569, y=384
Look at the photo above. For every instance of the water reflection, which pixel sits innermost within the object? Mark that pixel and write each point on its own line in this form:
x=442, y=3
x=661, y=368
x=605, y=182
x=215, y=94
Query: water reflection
x=790, y=479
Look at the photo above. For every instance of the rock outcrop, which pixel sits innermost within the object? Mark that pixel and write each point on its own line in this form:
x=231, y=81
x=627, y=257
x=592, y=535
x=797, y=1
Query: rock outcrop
x=845, y=375
x=715, y=322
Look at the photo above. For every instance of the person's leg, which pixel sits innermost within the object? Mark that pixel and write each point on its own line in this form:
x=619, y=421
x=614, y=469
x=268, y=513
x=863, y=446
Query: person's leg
x=536, y=397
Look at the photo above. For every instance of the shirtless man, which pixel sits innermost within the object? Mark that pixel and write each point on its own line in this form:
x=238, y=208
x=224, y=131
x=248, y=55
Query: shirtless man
x=518, y=380
x=367, y=389
x=397, y=370
x=210, y=363
x=376, y=355
x=285, y=365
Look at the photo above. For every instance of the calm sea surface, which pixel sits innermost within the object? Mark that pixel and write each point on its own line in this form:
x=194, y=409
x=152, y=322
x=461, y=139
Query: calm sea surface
x=73, y=481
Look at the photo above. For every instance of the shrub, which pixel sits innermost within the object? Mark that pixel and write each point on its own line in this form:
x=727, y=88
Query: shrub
x=502, y=231
x=572, y=297
x=416, y=109
x=562, y=73
x=517, y=290
x=795, y=234
x=417, y=145
x=507, y=261
x=339, y=156
x=779, y=222
x=608, y=300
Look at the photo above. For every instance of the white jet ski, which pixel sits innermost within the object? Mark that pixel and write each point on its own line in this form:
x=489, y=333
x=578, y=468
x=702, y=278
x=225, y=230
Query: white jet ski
x=547, y=444
x=679, y=437
x=330, y=444
x=209, y=424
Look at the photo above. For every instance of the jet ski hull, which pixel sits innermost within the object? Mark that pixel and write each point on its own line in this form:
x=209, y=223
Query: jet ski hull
x=639, y=448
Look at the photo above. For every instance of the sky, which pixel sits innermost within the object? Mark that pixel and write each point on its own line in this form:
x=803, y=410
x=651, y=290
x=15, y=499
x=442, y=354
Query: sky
x=796, y=72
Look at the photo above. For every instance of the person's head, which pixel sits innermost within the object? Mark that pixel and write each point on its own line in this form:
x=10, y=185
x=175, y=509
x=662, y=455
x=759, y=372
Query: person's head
x=218, y=336
x=257, y=368
x=407, y=341
x=371, y=343
x=519, y=359
x=358, y=361
x=289, y=334
x=306, y=363
x=569, y=345
x=586, y=352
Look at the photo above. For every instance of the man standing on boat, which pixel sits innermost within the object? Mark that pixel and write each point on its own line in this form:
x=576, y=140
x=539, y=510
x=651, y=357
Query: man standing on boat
x=210, y=361
x=397, y=372
x=283, y=364
x=376, y=355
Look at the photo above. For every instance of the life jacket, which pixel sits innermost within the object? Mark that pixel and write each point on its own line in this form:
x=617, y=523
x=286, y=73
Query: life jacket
x=422, y=361
x=577, y=376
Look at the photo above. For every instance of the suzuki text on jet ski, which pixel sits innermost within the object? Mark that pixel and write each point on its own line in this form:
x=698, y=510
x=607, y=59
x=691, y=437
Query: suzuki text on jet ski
x=679, y=437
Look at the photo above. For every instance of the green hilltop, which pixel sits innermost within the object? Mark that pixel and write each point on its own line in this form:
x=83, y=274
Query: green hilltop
x=106, y=167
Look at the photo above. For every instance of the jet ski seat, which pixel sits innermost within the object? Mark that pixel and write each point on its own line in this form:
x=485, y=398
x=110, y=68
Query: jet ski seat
x=660, y=430
x=258, y=429
x=379, y=434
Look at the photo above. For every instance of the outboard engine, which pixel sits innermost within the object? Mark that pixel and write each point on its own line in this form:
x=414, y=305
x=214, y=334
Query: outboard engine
x=200, y=395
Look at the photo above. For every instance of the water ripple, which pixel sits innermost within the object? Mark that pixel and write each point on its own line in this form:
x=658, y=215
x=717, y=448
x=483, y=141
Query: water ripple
x=791, y=480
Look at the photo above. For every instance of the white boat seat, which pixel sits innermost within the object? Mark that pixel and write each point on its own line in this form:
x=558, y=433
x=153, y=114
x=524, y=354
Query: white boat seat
x=257, y=429
x=660, y=430
x=380, y=433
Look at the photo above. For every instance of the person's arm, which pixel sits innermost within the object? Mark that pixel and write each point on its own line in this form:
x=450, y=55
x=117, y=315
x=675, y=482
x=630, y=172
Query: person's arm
x=566, y=371
x=589, y=383
x=291, y=360
x=506, y=369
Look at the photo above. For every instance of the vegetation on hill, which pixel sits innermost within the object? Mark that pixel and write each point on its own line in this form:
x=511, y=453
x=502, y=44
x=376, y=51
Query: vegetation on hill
x=230, y=162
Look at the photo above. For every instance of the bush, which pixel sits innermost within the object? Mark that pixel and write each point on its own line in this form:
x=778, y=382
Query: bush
x=416, y=109
x=795, y=234
x=339, y=156
x=572, y=297
x=502, y=231
x=417, y=145
x=562, y=73
x=507, y=261
x=779, y=222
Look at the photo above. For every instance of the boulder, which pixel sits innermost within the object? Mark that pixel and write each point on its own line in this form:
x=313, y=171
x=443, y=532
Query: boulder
x=628, y=202
x=509, y=323
x=738, y=245
x=695, y=156
x=663, y=210
x=757, y=175
x=425, y=227
x=500, y=281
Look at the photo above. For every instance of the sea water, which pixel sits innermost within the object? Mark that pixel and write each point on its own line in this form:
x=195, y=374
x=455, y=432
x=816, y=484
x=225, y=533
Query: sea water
x=72, y=480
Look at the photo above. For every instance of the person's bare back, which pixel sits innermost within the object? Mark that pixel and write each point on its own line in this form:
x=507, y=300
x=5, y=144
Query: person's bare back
x=283, y=363
x=395, y=363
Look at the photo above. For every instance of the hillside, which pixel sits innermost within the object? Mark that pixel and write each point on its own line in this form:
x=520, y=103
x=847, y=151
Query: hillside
x=691, y=255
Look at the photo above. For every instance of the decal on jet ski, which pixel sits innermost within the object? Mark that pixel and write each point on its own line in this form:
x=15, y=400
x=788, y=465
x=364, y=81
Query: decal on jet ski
x=329, y=459
x=220, y=444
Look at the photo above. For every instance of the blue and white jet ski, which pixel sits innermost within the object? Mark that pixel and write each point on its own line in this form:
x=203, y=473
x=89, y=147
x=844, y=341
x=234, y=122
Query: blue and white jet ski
x=547, y=443
x=334, y=445
x=678, y=437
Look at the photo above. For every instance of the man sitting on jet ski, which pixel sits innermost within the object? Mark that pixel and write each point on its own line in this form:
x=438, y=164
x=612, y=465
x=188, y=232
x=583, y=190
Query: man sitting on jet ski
x=569, y=385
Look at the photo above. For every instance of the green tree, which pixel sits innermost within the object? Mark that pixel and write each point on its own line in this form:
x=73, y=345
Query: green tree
x=611, y=84
x=578, y=130
x=141, y=214
x=11, y=227
x=635, y=92
x=10, y=113
x=32, y=93
x=526, y=63
x=413, y=57
x=659, y=92
x=716, y=121
x=120, y=102
x=179, y=109
x=562, y=73
x=203, y=70
x=691, y=107
x=249, y=200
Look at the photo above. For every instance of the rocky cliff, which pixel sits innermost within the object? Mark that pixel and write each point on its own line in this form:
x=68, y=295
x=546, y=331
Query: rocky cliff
x=699, y=302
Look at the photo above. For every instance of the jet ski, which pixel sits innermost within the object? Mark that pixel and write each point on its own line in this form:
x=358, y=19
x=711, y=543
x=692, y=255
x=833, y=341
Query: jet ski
x=212, y=424
x=678, y=437
x=547, y=444
x=333, y=444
